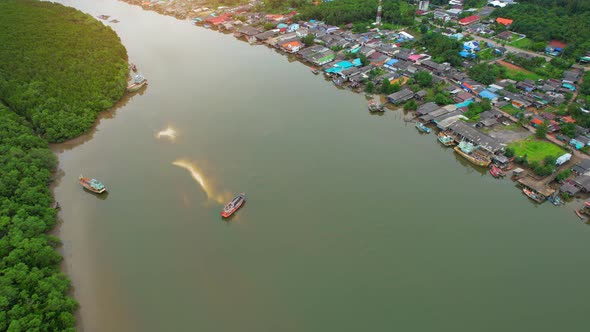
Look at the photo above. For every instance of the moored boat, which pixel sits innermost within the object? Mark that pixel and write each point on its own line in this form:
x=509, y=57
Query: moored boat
x=92, y=184
x=468, y=151
x=138, y=82
x=373, y=107
x=445, y=139
x=422, y=127
x=233, y=205
x=315, y=70
x=133, y=67
x=579, y=215
x=532, y=195
x=496, y=172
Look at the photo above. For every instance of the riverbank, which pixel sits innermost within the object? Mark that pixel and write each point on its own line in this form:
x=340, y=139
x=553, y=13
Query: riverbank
x=373, y=65
x=48, y=99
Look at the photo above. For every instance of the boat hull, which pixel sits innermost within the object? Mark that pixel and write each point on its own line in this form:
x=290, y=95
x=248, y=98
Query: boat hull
x=136, y=86
x=230, y=208
x=473, y=160
x=85, y=182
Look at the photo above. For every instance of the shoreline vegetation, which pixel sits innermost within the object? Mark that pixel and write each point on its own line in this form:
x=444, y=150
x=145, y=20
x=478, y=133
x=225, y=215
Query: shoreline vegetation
x=59, y=68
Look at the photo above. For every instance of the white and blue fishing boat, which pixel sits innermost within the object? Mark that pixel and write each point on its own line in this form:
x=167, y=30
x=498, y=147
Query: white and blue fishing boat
x=422, y=127
x=138, y=82
x=445, y=139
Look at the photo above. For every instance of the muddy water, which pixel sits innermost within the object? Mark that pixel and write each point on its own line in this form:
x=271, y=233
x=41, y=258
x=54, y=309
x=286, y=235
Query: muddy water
x=353, y=222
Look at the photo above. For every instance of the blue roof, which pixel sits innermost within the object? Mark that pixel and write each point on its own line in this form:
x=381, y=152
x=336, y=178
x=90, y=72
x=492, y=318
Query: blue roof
x=487, y=94
x=466, y=54
x=334, y=70
x=344, y=64
x=354, y=50
x=282, y=25
x=465, y=103
x=391, y=62
x=357, y=62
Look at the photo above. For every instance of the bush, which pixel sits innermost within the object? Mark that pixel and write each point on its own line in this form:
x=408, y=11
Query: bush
x=563, y=175
x=509, y=152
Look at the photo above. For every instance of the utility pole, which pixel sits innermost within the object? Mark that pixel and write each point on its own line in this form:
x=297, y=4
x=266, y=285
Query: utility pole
x=378, y=20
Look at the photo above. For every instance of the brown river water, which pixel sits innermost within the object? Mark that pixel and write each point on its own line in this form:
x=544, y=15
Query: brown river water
x=353, y=222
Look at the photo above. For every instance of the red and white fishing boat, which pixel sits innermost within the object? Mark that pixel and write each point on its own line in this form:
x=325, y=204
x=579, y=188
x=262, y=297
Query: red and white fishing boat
x=496, y=171
x=231, y=207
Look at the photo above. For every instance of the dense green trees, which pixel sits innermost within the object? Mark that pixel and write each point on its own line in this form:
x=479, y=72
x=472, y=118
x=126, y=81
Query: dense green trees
x=58, y=67
x=442, y=49
x=487, y=74
x=340, y=12
x=32, y=289
x=543, y=20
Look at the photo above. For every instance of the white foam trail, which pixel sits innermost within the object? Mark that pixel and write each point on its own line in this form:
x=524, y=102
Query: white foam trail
x=197, y=175
x=169, y=132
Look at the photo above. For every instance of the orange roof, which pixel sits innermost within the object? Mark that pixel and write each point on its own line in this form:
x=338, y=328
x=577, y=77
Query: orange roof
x=504, y=21
x=291, y=44
x=537, y=121
x=568, y=119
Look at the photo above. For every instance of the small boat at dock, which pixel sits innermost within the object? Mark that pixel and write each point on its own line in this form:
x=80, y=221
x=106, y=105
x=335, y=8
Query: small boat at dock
x=133, y=67
x=92, y=184
x=138, y=82
x=373, y=107
x=579, y=214
x=532, y=195
x=314, y=70
x=469, y=152
x=496, y=172
x=445, y=139
x=422, y=127
x=231, y=207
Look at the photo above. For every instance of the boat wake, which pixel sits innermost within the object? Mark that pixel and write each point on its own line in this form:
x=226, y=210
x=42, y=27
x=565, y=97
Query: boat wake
x=169, y=133
x=212, y=194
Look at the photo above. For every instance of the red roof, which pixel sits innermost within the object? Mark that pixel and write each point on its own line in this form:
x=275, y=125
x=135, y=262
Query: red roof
x=504, y=21
x=568, y=119
x=557, y=44
x=469, y=20
x=537, y=121
x=216, y=20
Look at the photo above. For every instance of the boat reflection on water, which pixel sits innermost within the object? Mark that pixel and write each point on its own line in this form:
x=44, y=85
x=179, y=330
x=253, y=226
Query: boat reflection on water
x=197, y=175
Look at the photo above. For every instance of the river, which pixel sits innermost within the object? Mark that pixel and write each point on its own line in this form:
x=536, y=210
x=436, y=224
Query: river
x=353, y=222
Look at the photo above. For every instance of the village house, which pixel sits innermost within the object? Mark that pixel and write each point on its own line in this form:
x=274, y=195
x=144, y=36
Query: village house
x=400, y=96
x=427, y=108
x=466, y=132
x=292, y=46
x=505, y=35
x=469, y=20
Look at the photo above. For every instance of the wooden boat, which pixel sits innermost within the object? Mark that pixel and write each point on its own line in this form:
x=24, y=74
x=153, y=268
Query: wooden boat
x=467, y=151
x=580, y=215
x=92, y=184
x=133, y=67
x=496, y=172
x=103, y=17
x=373, y=107
x=231, y=207
x=138, y=82
x=422, y=127
x=445, y=139
x=532, y=195
x=315, y=70
x=136, y=86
